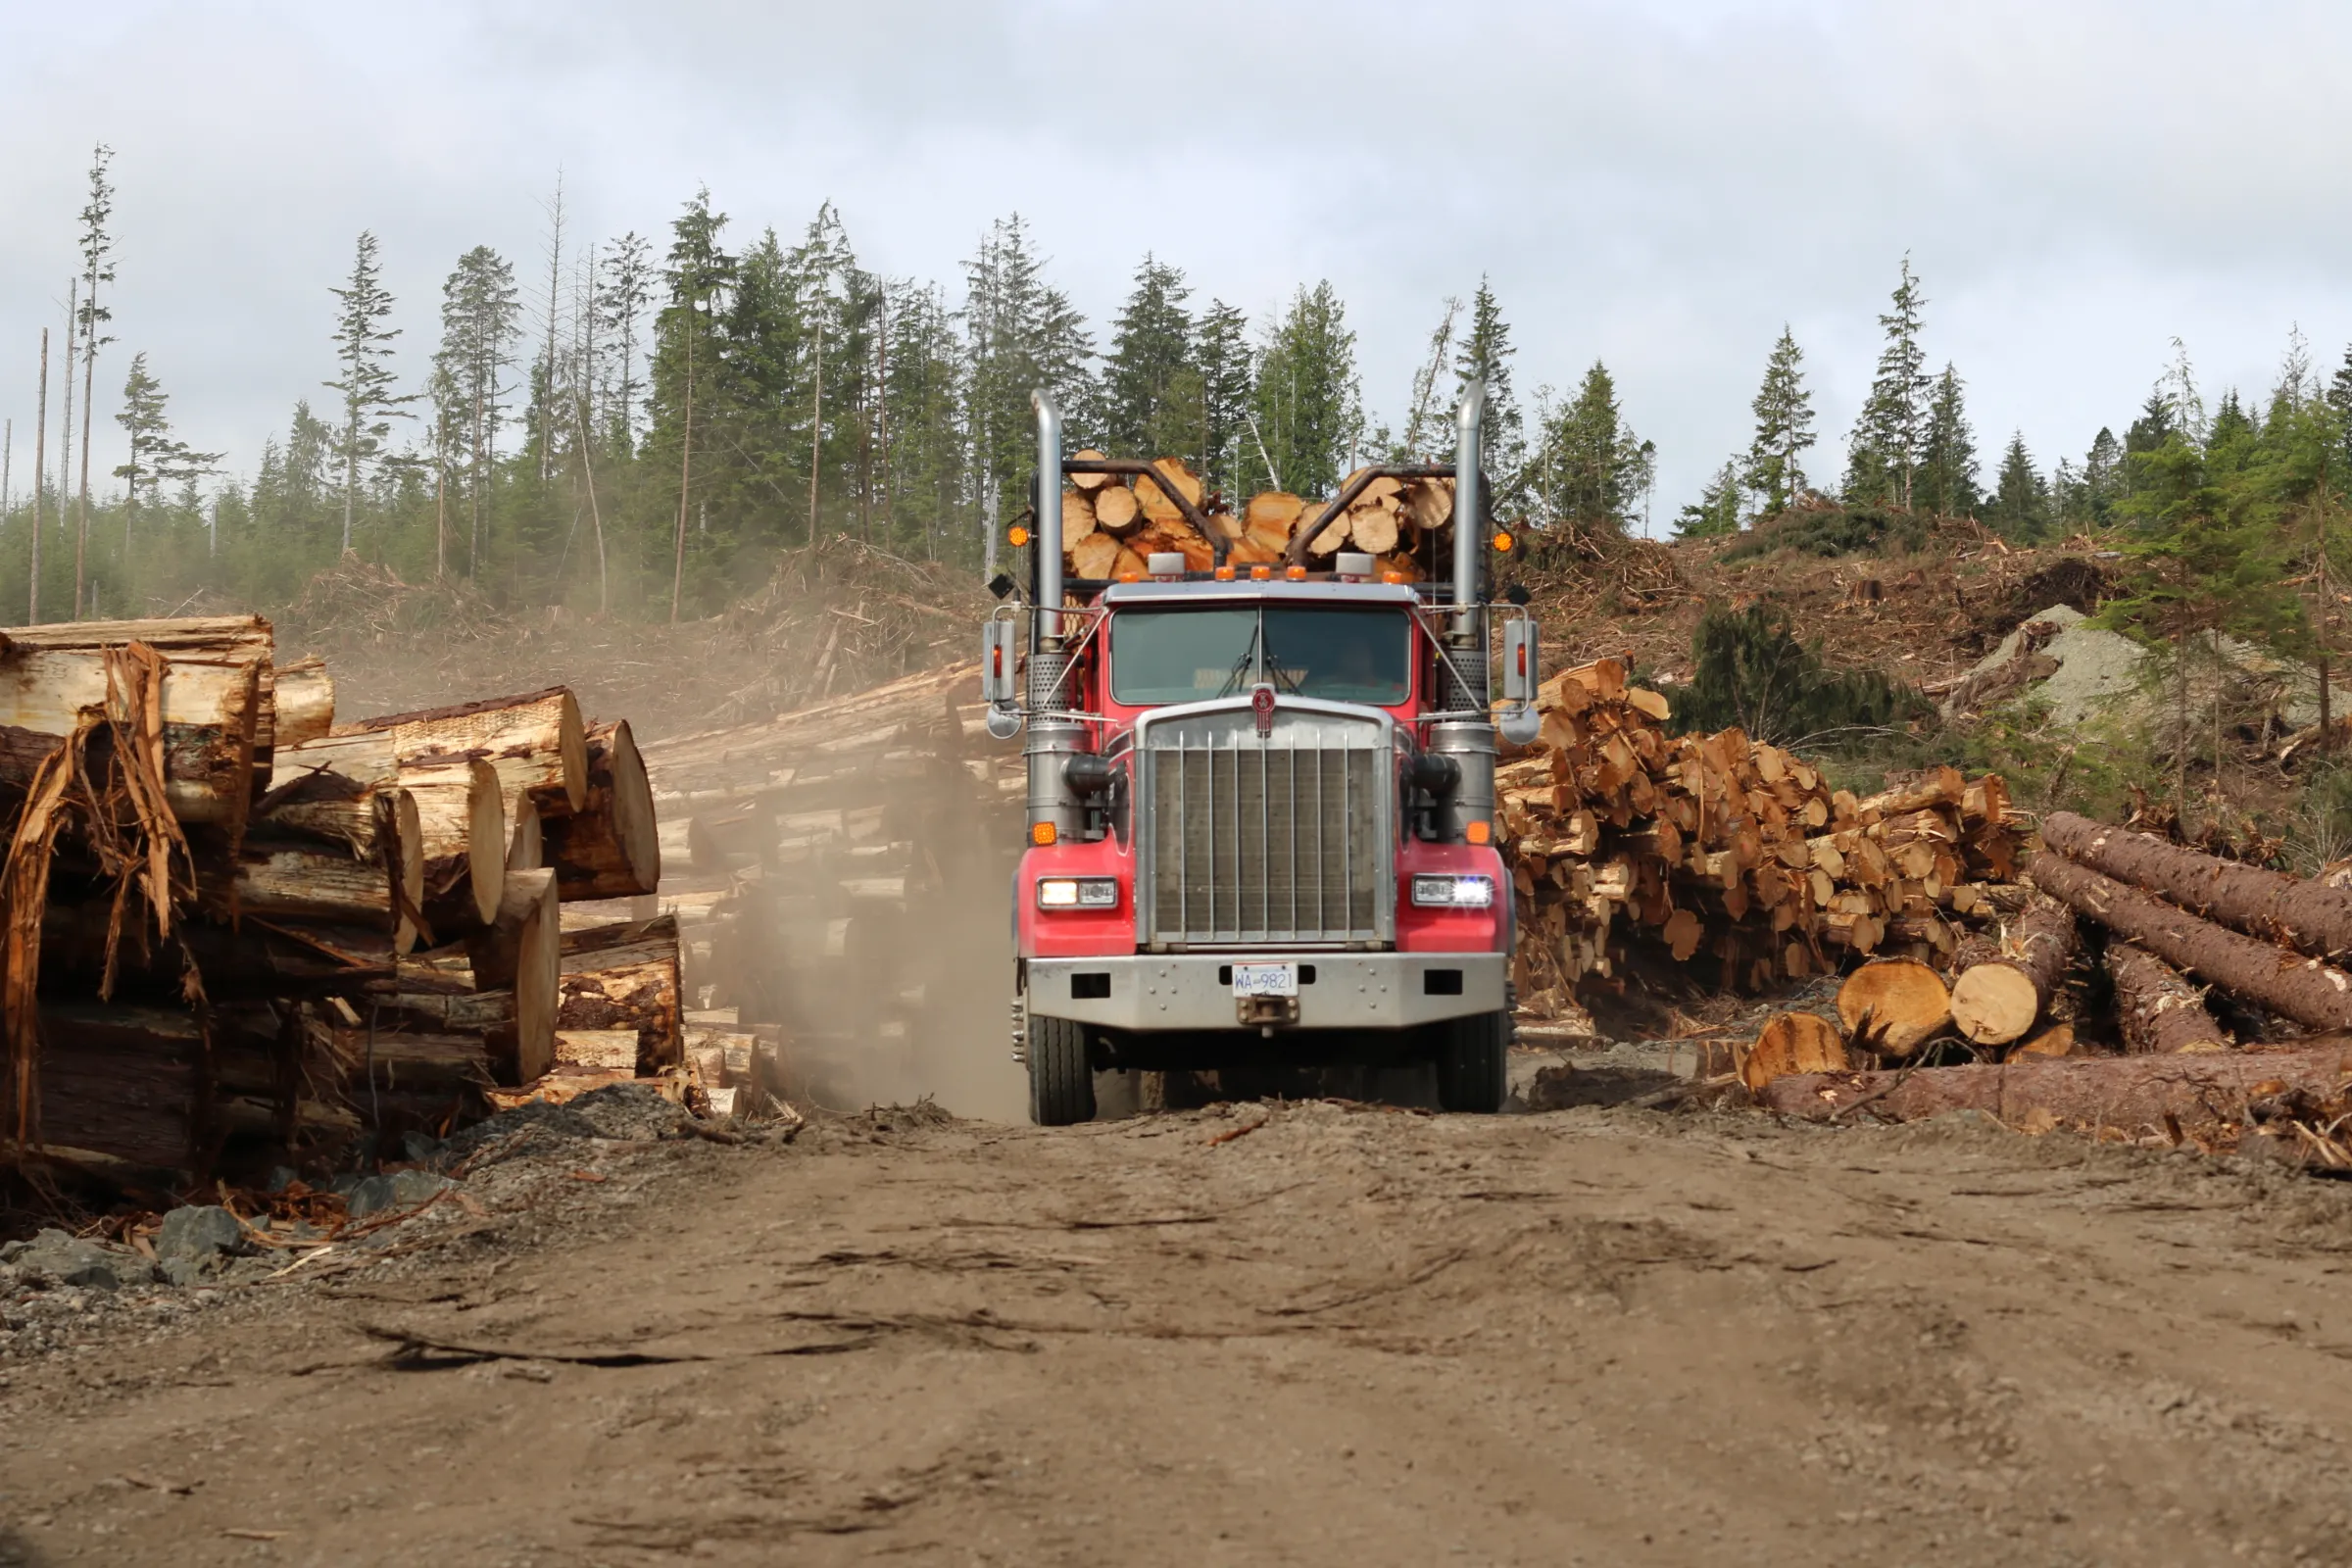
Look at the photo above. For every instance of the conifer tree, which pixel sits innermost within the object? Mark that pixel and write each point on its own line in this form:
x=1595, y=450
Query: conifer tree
x=1783, y=409
x=628, y=288
x=1716, y=512
x=2020, y=507
x=2102, y=477
x=1308, y=410
x=481, y=322
x=1883, y=453
x=97, y=267
x=1221, y=349
x=362, y=347
x=1593, y=470
x=1946, y=481
x=1485, y=356
x=1021, y=334
x=1424, y=432
x=1150, y=345
x=922, y=389
x=157, y=457
x=686, y=355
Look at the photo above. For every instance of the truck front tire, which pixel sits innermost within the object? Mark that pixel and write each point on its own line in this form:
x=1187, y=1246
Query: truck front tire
x=1474, y=1063
x=1062, y=1081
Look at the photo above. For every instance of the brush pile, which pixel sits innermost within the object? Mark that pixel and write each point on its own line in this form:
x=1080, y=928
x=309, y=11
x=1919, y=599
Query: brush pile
x=1112, y=522
x=233, y=932
x=1619, y=833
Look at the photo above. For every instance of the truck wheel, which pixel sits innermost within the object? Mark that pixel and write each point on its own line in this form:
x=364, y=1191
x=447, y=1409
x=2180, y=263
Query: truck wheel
x=1474, y=1056
x=1062, y=1081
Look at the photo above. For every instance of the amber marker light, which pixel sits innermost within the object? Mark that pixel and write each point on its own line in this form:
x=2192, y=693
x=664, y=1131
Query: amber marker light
x=1504, y=541
x=1019, y=537
x=1478, y=832
x=1296, y=573
x=1392, y=577
x=1043, y=834
x=1224, y=575
x=1261, y=573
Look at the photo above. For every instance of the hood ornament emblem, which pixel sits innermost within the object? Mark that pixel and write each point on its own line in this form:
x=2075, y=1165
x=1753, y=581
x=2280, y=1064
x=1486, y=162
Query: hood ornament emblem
x=1261, y=704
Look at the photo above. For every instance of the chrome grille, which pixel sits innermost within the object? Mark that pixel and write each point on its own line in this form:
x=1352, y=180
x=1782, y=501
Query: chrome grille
x=1275, y=840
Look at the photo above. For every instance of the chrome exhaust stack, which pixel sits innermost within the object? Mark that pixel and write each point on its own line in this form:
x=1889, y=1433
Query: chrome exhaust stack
x=1053, y=738
x=1462, y=679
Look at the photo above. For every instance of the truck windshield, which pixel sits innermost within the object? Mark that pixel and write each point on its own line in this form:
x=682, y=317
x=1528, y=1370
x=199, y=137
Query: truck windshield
x=1187, y=656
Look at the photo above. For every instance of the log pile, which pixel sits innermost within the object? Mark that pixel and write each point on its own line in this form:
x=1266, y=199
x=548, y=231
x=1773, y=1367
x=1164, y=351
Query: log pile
x=1112, y=524
x=1622, y=835
x=232, y=931
x=836, y=873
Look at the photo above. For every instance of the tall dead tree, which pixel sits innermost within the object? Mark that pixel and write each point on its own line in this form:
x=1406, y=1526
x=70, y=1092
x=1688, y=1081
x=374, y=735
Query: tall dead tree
x=98, y=267
x=40, y=463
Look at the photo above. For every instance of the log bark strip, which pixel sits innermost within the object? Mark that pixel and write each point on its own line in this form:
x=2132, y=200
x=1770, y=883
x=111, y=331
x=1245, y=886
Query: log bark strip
x=210, y=708
x=1994, y=1004
x=2161, y=1012
x=2134, y=1093
x=2309, y=917
x=2295, y=987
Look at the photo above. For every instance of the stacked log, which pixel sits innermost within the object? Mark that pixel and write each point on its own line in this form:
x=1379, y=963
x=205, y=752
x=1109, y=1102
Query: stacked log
x=1112, y=524
x=1620, y=834
x=233, y=930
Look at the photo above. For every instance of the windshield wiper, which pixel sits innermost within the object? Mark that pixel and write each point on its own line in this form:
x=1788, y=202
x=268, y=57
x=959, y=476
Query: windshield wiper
x=1244, y=665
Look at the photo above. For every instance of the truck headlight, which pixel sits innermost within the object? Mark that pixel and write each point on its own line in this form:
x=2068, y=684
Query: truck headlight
x=1078, y=893
x=1453, y=892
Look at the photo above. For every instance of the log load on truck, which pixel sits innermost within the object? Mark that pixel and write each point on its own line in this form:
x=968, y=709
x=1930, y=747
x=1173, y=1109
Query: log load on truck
x=1261, y=799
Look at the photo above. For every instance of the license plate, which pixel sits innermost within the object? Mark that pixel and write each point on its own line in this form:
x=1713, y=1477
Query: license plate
x=1266, y=979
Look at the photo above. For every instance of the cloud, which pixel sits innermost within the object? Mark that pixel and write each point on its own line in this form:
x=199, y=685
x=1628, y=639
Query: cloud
x=1662, y=186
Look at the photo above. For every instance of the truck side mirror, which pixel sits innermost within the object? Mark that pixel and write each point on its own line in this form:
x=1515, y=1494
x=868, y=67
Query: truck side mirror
x=1000, y=671
x=1519, y=721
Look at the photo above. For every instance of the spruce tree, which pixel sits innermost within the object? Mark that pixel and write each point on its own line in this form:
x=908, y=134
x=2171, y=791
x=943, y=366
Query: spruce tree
x=1883, y=453
x=628, y=288
x=1021, y=334
x=363, y=349
x=157, y=457
x=1947, y=463
x=686, y=357
x=2102, y=477
x=2020, y=507
x=97, y=267
x=481, y=322
x=1593, y=470
x=1783, y=409
x=1150, y=346
x=1716, y=512
x=1222, y=351
x=1308, y=410
x=1486, y=354
x=923, y=395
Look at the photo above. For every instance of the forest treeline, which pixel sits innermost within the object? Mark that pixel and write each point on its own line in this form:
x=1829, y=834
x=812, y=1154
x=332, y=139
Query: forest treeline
x=642, y=425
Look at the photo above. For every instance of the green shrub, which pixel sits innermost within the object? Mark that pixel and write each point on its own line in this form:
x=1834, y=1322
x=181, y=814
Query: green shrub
x=1747, y=668
x=1851, y=531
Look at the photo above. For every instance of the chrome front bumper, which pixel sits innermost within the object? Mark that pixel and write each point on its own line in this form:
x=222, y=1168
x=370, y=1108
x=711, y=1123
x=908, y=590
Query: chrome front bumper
x=1147, y=993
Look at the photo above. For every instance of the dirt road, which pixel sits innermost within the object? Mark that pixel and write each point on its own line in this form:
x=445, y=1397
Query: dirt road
x=1307, y=1333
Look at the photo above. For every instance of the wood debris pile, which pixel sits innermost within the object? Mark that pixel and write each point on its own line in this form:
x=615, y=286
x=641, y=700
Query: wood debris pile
x=1110, y=524
x=833, y=869
x=236, y=932
x=2125, y=916
x=1725, y=851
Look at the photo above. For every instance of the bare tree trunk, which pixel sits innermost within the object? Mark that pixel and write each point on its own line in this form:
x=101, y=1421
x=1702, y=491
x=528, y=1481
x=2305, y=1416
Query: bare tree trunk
x=40, y=464
x=817, y=433
x=8, y=439
x=604, y=591
x=555, y=282
x=677, y=569
x=2180, y=727
x=473, y=546
x=440, y=507
x=65, y=434
x=81, y=532
x=882, y=402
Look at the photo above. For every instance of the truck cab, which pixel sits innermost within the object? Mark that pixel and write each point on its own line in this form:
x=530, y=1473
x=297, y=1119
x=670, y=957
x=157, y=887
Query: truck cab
x=1261, y=816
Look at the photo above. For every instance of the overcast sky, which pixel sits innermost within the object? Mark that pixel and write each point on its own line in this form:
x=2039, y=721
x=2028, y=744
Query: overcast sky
x=1661, y=185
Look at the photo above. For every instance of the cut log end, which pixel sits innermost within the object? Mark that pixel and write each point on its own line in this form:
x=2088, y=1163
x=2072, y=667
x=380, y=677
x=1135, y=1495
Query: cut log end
x=1895, y=1005
x=1994, y=1004
x=1792, y=1043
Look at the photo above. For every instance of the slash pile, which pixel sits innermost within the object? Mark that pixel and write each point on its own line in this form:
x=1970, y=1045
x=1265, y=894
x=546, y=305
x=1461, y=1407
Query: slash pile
x=235, y=932
x=1618, y=833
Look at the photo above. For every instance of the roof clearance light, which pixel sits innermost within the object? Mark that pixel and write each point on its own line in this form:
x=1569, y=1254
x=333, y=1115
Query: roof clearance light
x=1261, y=573
x=1131, y=576
x=1392, y=577
x=1042, y=834
x=1504, y=541
x=1295, y=573
x=1019, y=537
x=1078, y=893
x=1453, y=892
x=1224, y=575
